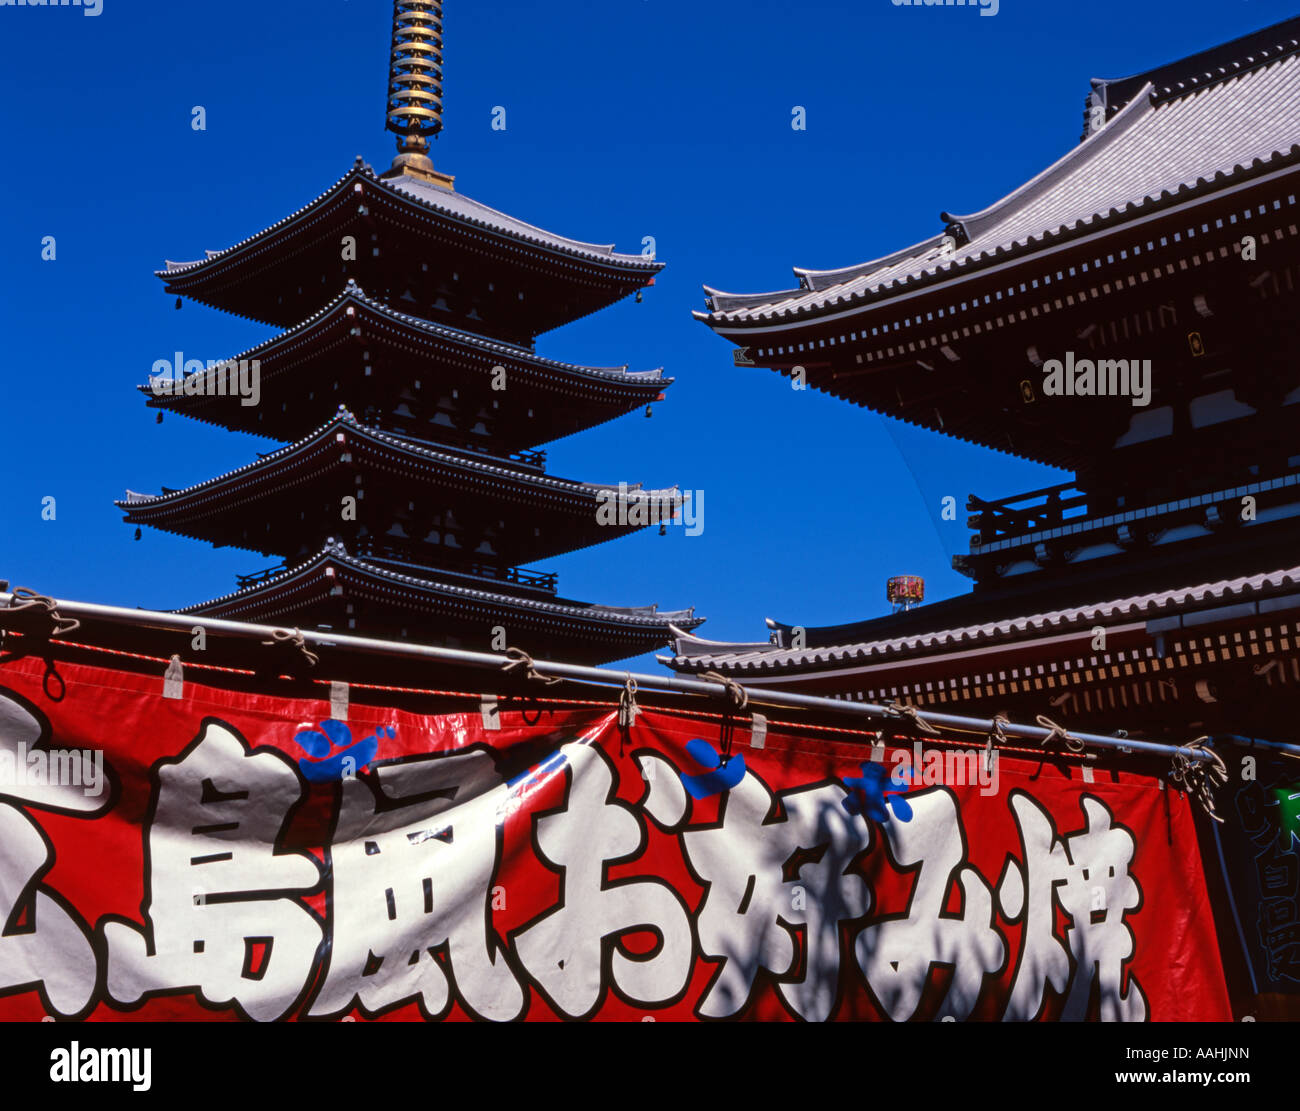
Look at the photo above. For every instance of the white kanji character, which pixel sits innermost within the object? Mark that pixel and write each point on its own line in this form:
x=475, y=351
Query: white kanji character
x=221, y=916
x=413, y=858
x=564, y=950
x=51, y=949
x=767, y=877
x=1087, y=874
x=897, y=954
x=44, y=943
x=1043, y=958
x=1099, y=892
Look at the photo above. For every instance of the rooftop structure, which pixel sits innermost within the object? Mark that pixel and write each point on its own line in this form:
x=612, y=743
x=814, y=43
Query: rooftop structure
x=1130, y=314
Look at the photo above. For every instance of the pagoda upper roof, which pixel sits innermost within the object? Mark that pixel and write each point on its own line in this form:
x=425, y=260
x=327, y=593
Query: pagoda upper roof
x=564, y=397
x=392, y=599
x=1182, y=132
x=577, y=277
x=917, y=632
x=271, y=490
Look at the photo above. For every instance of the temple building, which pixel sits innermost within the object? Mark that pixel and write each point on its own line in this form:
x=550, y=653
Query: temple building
x=411, y=399
x=1130, y=315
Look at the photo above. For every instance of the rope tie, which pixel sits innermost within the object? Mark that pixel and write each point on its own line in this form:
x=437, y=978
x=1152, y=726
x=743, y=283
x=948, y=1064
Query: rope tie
x=52, y=673
x=627, y=707
x=1059, y=733
x=912, y=714
x=36, y=614
x=736, y=694
x=1199, y=778
x=519, y=660
x=282, y=638
x=1000, y=721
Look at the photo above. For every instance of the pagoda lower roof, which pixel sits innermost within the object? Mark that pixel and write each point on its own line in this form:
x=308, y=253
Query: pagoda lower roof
x=278, y=495
x=1168, y=144
x=385, y=602
x=403, y=225
x=321, y=363
x=917, y=633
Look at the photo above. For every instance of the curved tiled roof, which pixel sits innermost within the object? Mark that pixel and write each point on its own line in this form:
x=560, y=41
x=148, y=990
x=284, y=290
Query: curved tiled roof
x=455, y=206
x=468, y=461
x=336, y=554
x=1164, y=145
x=1228, y=59
x=697, y=654
x=353, y=294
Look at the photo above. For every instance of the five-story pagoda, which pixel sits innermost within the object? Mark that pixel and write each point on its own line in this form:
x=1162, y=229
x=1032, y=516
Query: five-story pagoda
x=409, y=393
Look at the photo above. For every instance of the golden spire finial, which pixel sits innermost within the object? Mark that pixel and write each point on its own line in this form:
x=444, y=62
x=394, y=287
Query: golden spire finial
x=415, y=86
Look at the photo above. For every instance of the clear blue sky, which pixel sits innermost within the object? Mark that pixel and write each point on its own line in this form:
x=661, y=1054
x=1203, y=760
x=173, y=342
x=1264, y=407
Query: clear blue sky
x=625, y=118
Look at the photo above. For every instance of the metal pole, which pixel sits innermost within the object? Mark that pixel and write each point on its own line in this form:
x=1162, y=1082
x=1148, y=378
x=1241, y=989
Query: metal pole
x=1253, y=742
x=117, y=615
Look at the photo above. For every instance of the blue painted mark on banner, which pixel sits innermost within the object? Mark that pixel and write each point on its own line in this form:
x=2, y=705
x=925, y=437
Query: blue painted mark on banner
x=331, y=752
x=869, y=794
x=724, y=774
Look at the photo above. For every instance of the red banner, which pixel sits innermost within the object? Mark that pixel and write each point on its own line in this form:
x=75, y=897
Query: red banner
x=223, y=855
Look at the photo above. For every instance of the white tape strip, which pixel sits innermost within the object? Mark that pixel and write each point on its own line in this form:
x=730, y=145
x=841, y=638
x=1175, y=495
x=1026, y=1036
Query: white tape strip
x=174, y=679
x=1087, y=774
x=491, y=713
x=758, y=732
x=339, y=701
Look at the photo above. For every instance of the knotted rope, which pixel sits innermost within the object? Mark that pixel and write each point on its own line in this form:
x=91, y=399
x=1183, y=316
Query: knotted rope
x=1059, y=733
x=998, y=733
x=736, y=694
x=912, y=714
x=519, y=660
x=30, y=611
x=1199, y=778
x=627, y=707
x=282, y=638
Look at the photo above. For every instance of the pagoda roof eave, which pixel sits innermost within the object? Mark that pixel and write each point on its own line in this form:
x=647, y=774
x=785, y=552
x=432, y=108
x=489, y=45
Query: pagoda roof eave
x=210, y=510
x=211, y=416
x=455, y=206
x=347, y=421
x=642, y=381
x=337, y=557
x=477, y=212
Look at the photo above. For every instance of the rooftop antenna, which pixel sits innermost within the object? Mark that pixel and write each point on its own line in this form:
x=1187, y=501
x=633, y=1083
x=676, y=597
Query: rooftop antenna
x=415, y=88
